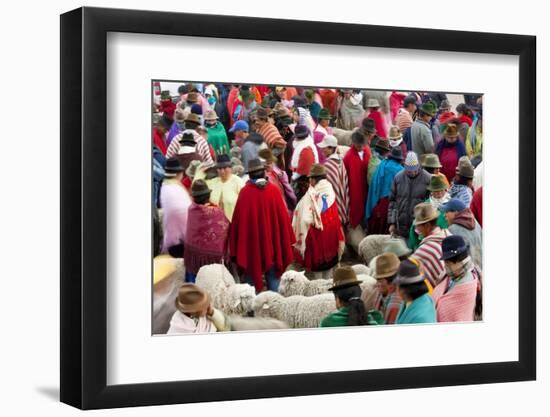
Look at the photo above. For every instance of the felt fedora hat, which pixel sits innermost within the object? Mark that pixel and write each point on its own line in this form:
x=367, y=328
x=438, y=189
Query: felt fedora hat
x=424, y=213
x=344, y=277
x=255, y=165
x=408, y=273
x=398, y=246
x=451, y=131
x=191, y=298
x=223, y=161
x=386, y=265
x=383, y=144
x=431, y=160
x=199, y=187
x=172, y=167
x=193, y=118
x=317, y=170
x=267, y=155
x=437, y=183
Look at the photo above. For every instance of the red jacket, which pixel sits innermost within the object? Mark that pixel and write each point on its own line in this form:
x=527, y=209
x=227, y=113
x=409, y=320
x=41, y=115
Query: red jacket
x=357, y=170
x=477, y=205
x=158, y=139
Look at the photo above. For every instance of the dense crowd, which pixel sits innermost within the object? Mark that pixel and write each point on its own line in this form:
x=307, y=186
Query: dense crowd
x=267, y=179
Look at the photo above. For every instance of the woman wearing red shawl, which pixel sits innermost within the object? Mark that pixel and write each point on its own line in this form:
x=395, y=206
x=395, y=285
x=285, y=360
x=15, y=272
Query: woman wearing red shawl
x=206, y=235
x=260, y=235
x=450, y=150
x=320, y=239
x=464, y=120
x=356, y=162
x=159, y=133
x=396, y=102
x=378, y=117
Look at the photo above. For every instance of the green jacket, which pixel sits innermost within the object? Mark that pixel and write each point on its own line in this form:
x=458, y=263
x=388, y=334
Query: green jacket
x=340, y=318
x=217, y=138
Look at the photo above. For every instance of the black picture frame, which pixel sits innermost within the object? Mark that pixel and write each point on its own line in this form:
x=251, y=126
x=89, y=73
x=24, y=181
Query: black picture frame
x=84, y=207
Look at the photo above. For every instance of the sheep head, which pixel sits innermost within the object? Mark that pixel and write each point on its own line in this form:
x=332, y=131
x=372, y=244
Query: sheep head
x=267, y=304
x=241, y=298
x=292, y=283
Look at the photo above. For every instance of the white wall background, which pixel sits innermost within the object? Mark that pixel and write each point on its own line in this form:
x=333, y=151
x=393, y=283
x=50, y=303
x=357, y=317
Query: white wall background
x=29, y=365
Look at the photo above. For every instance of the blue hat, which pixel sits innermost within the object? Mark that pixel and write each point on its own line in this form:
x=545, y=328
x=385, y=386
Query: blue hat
x=454, y=204
x=452, y=246
x=239, y=125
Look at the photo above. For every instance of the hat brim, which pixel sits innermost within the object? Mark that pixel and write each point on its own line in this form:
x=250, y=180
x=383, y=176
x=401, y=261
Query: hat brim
x=429, y=219
x=436, y=189
x=388, y=149
x=396, y=157
x=326, y=145
x=345, y=285
x=224, y=165
x=451, y=254
x=399, y=280
x=200, y=193
x=384, y=276
x=395, y=137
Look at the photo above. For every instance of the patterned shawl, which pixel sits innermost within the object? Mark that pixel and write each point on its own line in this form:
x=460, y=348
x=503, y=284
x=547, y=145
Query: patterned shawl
x=206, y=236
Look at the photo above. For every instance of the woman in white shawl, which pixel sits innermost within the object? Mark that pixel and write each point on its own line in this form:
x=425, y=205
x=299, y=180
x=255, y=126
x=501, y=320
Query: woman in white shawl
x=320, y=239
x=351, y=111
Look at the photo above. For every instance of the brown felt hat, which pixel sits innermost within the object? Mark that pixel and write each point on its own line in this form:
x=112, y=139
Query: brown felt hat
x=465, y=168
x=267, y=155
x=191, y=298
x=193, y=118
x=343, y=278
x=192, y=97
x=317, y=170
x=383, y=144
x=451, y=131
x=386, y=265
x=430, y=160
x=424, y=212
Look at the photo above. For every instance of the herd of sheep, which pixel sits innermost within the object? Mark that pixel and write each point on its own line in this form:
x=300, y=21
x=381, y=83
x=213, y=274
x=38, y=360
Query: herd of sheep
x=299, y=302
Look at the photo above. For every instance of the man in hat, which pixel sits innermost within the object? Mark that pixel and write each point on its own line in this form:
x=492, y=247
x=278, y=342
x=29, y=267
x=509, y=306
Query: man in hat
x=225, y=187
x=429, y=250
x=260, y=235
x=175, y=202
x=405, y=115
x=439, y=195
x=304, y=155
x=461, y=187
x=313, y=105
x=337, y=176
x=430, y=163
x=388, y=300
x=474, y=140
x=417, y=305
x=321, y=130
x=351, y=309
x=376, y=209
x=450, y=150
x=194, y=313
x=462, y=222
x=320, y=239
x=271, y=135
x=350, y=109
x=379, y=153
x=206, y=233
x=240, y=132
x=409, y=187
x=217, y=137
x=191, y=124
x=369, y=131
x=187, y=151
x=458, y=295
x=379, y=118
x=250, y=148
x=421, y=131
x=397, y=246
x=443, y=116
x=396, y=139
x=167, y=107
x=190, y=173
x=159, y=133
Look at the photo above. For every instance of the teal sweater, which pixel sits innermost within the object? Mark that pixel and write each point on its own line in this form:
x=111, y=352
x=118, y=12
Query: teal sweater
x=421, y=310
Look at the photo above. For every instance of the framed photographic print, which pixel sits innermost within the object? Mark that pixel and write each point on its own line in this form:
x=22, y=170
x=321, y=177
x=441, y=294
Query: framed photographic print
x=245, y=201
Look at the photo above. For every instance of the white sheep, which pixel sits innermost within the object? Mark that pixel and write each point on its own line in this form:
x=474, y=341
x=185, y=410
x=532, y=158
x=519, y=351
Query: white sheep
x=372, y=245
x=296, y=283
x=361, y=269
x=239, y=323
x=297, y=311
x=164, y=295
x=225, y=295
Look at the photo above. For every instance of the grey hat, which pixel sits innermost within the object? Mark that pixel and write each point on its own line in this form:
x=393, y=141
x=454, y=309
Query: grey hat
x=397, y=246
x=408, y=273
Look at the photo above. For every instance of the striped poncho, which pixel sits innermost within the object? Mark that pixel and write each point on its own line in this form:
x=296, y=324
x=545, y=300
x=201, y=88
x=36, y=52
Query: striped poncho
x=429, y=253
x=338, y=177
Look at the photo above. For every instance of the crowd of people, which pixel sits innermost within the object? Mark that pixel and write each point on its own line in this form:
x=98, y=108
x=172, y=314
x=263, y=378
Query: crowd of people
x=262, y=178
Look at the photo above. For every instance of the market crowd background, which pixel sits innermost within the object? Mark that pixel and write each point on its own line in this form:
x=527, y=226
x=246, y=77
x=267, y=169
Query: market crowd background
x=307, y=207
